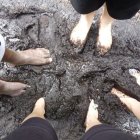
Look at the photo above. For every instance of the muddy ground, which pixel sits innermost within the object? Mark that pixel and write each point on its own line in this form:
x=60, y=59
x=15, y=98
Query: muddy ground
x=74, y=76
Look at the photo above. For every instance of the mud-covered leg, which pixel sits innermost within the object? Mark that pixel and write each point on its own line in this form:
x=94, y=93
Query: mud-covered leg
x=92, y=116
x=39, y=56
x=12, y=88
x=79, y=33
x=104, y=41
x=38, y=111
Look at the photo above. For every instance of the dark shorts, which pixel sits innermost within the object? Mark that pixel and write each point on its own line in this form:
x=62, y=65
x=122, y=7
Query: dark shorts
x=118, y=9
x=106, y=132
x=34, y=129
x=40, y=129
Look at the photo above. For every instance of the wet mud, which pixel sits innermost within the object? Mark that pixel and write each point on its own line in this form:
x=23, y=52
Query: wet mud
x=74, y=76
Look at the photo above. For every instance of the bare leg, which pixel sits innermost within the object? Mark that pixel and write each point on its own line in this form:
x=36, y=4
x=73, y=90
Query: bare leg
x=105, y=38
x=79, y=33
x=38, y=111
x=132, y=104
x=12, y=88
x=39, y=56
x=92, y=116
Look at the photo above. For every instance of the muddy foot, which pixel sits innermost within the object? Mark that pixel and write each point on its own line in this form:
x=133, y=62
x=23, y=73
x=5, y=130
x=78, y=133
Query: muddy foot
x=104, y=41
x=79, y=33
x=78, y=36
x=92, y=115
x=12, y=88
x=38, y=111
x=104, y=44
x=39, y=56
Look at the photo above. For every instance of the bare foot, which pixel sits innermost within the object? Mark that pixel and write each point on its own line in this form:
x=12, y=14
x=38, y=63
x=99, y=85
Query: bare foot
x=79, y=33
x=39, y=56
x=135, y=73
x=123, y=97
x=132, y=104
x=38, y=111
x=12, y=88
x=104, y=41
x=92, y=116
x=104, y=44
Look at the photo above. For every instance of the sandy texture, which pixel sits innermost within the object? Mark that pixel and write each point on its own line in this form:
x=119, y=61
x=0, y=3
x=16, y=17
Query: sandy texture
x=73, y=77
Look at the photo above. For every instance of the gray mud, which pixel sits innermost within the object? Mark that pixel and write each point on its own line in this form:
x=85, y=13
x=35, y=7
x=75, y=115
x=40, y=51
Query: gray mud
x=72, y=78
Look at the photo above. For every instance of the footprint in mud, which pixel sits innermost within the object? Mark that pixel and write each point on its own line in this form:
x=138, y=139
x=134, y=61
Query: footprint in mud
x=135, y=73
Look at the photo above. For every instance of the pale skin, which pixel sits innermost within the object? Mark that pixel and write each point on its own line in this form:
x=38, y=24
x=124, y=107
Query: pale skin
x=39, y=56
x=80, y=32
x=38, y=111
x=104, y=41
x=92, y=115
x=132, y=104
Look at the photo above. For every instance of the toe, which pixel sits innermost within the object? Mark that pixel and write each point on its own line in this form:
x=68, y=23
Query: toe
x=78, y=42
x=40, y=104
x=46, y=55
x=42, y=61
x=41, y=52
x=77, y=38
x=117, y=92
x=102, y=49
x=46, y=51
x=133, y=72
x=48, y=60
x=21, y=86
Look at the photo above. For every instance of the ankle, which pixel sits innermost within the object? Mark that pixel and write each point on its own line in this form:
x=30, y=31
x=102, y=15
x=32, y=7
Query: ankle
x=11, y=56
x=92, y=124
x=92, y=121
